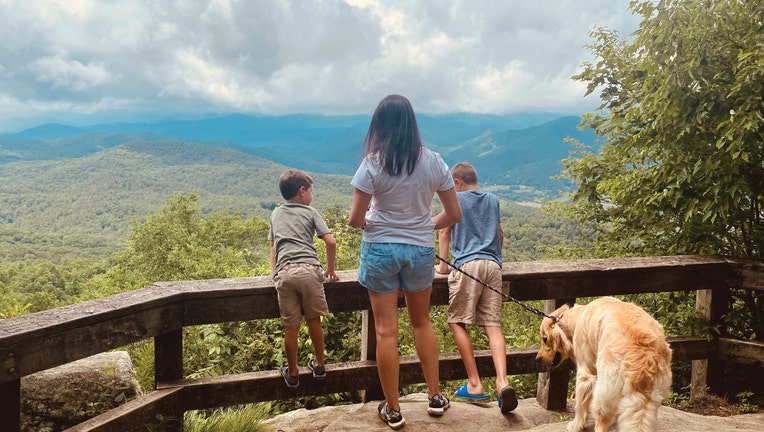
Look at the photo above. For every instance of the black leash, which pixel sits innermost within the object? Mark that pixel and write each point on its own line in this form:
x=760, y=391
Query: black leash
x=530, y=309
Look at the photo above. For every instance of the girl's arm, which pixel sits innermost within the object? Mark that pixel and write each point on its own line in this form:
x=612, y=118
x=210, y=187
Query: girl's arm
x=445, y=242
x=452, y=211
x=357, y=217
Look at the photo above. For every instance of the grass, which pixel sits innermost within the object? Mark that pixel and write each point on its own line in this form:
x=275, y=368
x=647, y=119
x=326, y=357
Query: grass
x=244, y=418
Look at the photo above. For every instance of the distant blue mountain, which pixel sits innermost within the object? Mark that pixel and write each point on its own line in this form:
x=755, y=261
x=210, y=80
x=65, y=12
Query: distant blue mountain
x=519, y=149
x=237, y=128
x=522, y=157
x=249, y=130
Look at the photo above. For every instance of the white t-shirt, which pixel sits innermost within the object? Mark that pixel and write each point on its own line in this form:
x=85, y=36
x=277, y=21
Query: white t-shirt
x=401, y=207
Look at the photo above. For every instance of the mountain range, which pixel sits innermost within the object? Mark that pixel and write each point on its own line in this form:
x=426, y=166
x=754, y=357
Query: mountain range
x=66, y=188
x=518, y=150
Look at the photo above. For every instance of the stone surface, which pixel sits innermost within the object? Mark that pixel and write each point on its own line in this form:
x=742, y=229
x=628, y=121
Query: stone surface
x=56, y=399
x=486, y=417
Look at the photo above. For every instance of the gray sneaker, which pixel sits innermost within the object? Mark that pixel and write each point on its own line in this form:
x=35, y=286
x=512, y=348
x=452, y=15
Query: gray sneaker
x=438, y=405
x=292, y=381
x=393, y=418
x=319, y=372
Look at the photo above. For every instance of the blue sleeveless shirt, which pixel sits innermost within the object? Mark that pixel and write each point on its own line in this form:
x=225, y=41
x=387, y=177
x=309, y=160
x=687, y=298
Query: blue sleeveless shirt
x=476, y=236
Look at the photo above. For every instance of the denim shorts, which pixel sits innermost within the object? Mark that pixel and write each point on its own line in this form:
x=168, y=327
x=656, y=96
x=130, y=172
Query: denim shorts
x=386, y=267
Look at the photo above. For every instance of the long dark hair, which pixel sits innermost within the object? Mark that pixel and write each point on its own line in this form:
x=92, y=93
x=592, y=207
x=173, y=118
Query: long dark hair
x=393, y=136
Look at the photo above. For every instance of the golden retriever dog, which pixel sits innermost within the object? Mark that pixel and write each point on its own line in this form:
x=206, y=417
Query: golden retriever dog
x=623, y=362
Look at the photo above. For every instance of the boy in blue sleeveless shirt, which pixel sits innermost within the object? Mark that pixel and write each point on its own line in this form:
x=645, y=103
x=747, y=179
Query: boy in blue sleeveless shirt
x=476, y=249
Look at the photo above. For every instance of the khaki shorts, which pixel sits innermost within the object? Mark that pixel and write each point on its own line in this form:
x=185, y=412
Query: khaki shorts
x=300, y=292
x=469, y=302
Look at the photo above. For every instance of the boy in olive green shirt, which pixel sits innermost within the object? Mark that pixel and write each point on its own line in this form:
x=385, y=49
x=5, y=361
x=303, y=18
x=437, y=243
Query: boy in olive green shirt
x=296, y=270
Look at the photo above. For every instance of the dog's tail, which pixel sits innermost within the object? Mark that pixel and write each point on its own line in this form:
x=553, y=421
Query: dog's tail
x=639, y=410
x=638, y=413
x=651, y=361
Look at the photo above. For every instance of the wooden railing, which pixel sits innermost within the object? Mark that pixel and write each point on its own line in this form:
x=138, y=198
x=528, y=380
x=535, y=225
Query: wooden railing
x=43, y=340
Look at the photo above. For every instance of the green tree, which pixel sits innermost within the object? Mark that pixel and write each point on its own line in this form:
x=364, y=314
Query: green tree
x=681, y=167
x=348, y=238
x=179, y=243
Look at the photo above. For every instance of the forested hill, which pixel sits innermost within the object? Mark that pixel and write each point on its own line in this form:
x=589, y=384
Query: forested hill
x=66, y=186
x=100, y=193
x=517, y=150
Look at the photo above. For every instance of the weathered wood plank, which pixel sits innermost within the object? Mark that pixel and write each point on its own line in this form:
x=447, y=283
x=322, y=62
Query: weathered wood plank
x=750, y=273
x=341, y=377
x=686, y=348
x=39, y=341
x=590, y=278
x=39, y=324
x=134, y=415
x=553, y=269
x=54, y=348
x=58, y=336
x=10, y=405
x=268, y=385
x=168, y=357
x=740, y=351
x=262, y=386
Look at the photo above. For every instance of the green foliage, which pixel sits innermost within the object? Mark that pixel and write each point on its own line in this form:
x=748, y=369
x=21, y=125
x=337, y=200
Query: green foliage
x=348, y=239
x=680, y=170
x=744, y=405
x=243, y=418
x=681, y=113
x=83, y=207
x=228, y=419
x=178, y=243
x=12, y=308
x=44, y=285
x=530, y=233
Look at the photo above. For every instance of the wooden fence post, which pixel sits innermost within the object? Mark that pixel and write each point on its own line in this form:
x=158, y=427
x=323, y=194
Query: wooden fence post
x=709, y=374
x=369, y=352
x=168, y=367
x=552, y=391
x=10, y=405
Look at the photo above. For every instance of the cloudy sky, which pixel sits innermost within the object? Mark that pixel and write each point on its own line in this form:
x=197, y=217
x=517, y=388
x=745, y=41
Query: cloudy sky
x=87, y=61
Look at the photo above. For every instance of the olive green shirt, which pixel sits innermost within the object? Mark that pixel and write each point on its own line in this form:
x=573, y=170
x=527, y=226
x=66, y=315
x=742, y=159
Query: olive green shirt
x=293, y=229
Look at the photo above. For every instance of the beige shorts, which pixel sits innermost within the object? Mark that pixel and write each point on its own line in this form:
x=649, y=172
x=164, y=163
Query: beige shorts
x=300, y=292
x=469, y=302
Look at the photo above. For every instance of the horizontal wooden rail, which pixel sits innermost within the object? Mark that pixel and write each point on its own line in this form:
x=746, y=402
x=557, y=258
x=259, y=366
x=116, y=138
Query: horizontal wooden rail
x=740, y=351
x=132, y=415
x=201, y=393
x=50, y=338
x=262, y=386
x=43, y=340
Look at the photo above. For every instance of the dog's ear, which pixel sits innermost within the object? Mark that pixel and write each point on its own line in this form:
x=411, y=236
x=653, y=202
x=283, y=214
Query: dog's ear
x=561, y=310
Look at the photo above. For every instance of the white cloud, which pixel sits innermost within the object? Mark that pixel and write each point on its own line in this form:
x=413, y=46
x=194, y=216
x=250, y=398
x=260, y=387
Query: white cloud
x=70, y=74
x=329, y=56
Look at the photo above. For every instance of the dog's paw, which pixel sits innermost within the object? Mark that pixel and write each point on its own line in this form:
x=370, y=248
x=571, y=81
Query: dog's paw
x=575, y=426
